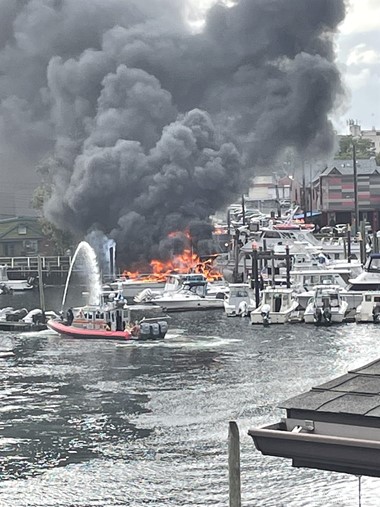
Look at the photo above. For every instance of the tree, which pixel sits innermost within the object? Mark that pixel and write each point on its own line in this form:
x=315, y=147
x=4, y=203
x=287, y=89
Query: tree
x=62, y=240
x=364, y=148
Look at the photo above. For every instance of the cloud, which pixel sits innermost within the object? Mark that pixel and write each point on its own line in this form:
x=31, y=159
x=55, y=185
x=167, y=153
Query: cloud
x=363, y=55
x=362, y=16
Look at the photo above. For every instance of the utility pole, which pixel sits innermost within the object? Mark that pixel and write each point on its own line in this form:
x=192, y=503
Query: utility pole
x=304, y=196
x=356, y=204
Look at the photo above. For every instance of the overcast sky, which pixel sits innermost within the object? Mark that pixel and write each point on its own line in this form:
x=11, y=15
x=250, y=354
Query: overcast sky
x=359, y=57
x=358, y=48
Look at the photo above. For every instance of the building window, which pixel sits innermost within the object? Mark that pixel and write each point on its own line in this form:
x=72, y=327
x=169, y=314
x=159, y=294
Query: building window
x=31, y=246
x=22, y=229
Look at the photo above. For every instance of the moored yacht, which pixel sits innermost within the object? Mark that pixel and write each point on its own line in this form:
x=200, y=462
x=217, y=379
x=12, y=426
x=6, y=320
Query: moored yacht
x=326, y=307
x=369, y=279
x=277, y=306
x=192, y=294
x=369, y=308
x=239, y=300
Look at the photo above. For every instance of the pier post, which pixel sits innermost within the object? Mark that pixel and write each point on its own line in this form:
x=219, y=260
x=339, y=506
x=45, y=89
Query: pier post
x=288, y=266
x=349, y=243
x=363, y=243
x=234, y=464
x=255, y=275
x=273, y=269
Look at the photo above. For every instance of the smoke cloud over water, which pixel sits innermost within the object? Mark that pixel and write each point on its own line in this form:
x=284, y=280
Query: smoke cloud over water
x=147, y=127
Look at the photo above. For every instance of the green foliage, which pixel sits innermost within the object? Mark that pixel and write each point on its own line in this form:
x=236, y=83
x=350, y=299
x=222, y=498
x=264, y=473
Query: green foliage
x=60, y=239
x=364, y=148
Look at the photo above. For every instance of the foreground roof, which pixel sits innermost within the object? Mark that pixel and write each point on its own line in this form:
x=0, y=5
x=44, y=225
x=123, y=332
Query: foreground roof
x=334, y=426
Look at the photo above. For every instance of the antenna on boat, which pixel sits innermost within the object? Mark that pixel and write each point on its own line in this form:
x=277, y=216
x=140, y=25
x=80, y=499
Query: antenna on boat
x=41, y=285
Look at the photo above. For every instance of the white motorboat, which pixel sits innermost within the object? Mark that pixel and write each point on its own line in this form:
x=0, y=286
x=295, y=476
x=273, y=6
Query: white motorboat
x=277, y=306
x=130, y=287
x=7, y=285
x=192, y=295
x=239, y=301
x=369, y=279
x=369, y=308
x=326, y=307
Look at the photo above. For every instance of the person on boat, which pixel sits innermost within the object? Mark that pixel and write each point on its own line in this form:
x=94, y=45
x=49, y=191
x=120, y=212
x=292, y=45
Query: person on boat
x=108, y=326
x=69, y=316
x=135, y=331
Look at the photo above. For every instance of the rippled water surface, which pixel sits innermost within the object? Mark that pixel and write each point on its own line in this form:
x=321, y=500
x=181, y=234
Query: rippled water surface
x=109, y=424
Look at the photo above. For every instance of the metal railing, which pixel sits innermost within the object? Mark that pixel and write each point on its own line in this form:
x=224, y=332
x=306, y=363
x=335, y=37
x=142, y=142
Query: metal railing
x=48, y=263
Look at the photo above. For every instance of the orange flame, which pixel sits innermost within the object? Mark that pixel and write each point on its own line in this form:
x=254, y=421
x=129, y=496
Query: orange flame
x=187, y=262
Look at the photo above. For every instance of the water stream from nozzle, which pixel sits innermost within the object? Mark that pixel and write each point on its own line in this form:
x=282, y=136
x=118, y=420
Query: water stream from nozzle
x=92, y=271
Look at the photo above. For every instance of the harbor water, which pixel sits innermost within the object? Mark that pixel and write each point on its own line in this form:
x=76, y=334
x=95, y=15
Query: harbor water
x=96, y=423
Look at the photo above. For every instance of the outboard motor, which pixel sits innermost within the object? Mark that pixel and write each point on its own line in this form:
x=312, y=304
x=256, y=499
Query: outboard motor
x=145, y=331
x=318, y=316
x=376, y=314
x=155, y=330
x=243, y=309
x=265, y=314
x=327, y=315
x=163, y=328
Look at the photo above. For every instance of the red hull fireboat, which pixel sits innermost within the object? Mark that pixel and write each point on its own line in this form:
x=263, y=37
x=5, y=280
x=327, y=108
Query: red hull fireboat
x=113, y=320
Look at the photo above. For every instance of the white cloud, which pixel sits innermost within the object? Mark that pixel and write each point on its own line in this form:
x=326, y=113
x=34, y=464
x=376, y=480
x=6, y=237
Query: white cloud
x=362, y=16
x=363, y=55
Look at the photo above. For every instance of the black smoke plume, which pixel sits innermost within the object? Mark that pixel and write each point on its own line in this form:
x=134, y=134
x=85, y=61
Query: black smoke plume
x=148, y=127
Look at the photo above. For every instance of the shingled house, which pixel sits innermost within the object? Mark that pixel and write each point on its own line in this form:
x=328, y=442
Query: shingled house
x=22, y=236
x=333, y=192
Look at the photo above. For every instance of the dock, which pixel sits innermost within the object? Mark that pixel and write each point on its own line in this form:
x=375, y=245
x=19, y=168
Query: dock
x=21, y=327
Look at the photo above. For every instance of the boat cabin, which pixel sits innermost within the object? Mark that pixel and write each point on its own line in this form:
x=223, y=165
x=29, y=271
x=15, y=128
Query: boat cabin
x=369, y=279
x=307, y=279
x=327, y=297
x=278, y=300
x=177, y=281
x=113, y=316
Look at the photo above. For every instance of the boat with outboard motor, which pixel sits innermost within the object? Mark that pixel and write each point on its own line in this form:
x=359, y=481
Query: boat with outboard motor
x=7, y=285
x=277, y=306
x=369, y=308
x=112, y=320
x=190, y=291
x=239, y=301
x=326, y=307
x=133, y=286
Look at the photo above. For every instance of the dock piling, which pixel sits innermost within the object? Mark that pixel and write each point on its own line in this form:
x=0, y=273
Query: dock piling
x=234, y=464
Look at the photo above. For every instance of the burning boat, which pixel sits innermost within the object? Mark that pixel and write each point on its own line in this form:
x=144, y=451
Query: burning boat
x=160, y=279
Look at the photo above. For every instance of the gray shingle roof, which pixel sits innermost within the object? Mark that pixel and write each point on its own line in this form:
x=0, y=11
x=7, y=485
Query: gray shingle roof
x=363, y=166
x=357, y=392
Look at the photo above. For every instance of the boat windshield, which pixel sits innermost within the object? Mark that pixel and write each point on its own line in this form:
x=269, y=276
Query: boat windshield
x=374, y=264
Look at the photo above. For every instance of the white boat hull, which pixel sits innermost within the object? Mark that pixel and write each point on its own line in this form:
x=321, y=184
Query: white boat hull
x=177, y=305
x=336, y=318
x=275, y=318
